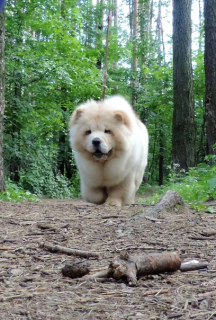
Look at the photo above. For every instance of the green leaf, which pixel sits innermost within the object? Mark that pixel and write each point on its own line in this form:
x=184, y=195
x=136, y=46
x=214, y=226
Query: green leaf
x=212, y=183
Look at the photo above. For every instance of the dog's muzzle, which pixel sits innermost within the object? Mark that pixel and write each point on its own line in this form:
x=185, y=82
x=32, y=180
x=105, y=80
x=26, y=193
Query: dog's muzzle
x=98, y=154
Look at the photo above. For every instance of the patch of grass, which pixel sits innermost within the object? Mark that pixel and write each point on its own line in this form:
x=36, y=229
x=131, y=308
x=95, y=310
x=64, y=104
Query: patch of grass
x=14, y=193
x=148, y=194
x=195, y=187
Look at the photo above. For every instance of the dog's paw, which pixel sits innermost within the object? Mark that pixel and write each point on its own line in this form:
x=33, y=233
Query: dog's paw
x=113, y=202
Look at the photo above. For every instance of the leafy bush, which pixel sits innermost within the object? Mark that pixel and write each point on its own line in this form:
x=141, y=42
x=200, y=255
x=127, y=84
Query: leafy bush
x=15, y=193
x=40, y=178
x=196, y=187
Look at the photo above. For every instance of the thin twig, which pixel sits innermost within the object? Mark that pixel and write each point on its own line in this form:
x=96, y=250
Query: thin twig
x=56, y=248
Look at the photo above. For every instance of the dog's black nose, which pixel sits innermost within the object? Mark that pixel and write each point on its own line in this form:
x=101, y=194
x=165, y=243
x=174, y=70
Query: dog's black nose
x=96, y=142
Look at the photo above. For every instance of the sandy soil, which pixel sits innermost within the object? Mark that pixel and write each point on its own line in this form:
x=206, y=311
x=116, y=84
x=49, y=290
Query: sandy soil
x=32, y=284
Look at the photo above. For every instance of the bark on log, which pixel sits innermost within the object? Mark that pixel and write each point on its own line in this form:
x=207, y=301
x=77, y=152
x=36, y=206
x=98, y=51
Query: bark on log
x=167, y=202
x=133, y=266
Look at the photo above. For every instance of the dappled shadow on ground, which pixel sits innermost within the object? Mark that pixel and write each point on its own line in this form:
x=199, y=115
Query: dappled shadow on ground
x=33, y=287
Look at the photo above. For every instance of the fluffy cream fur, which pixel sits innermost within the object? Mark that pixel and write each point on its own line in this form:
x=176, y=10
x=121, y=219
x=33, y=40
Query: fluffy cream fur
x=110, y=145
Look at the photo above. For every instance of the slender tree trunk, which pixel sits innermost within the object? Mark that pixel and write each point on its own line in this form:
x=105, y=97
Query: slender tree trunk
x=115, y=15
x=2, y=96
x=210, y=73
x=145, y=27
x=159, y=26
x=64, y=154
x=135, y=58
x=159, y=32
x=184, y=128
x=99, y=42
x=200, y=25
x=161, y=158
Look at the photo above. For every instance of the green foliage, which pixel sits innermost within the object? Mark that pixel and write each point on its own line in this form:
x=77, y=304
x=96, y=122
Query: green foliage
x=155, y=106
x=40, y=178
x=15, y=193
x=55, y=53
x=196, y=187
x=49, y=71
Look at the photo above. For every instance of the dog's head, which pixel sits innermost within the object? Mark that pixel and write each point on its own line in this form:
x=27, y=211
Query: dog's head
x=99, y=131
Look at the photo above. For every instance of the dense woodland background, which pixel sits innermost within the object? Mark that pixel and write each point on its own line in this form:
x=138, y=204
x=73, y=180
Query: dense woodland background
x=53, y=52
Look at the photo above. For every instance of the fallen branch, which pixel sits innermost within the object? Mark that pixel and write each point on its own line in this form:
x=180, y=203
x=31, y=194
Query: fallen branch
x=59, y=249
x=50, y=227
x=131, y=267
x=209, y=233
x=20, y=296
x=167, y=202
x=207, y=294
x=155, y=292
x=44, y=226
x=193, y=265
x=6, y=248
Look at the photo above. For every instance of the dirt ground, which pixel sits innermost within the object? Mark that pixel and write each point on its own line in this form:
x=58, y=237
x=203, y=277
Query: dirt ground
x=32, y=285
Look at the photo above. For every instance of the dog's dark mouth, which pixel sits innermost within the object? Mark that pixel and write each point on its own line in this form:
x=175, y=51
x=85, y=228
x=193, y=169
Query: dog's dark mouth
x=100, y=155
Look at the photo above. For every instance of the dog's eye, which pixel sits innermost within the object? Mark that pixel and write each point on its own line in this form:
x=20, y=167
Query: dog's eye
x=107, y=131
x=88, y=132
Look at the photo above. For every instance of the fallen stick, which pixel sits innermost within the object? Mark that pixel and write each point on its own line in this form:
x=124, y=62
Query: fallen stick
x=59, y=249
x=44, y=226
x=155, y=292
x=130, y=267
x=193, y=265
x=20, y=296
x=207, y=294
x=6, y=248
x=209, y=233
x=133, y=266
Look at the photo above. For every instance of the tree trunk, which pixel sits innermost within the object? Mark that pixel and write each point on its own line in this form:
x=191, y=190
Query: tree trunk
x=99, y=41
x=2, y=96
x=161, y=156
x=134, y=54
x=159, y=30
x=145, y=26
x=161, y=130
x=210, y=73
x=115, y=39
x=200, y=25
x=184, y=127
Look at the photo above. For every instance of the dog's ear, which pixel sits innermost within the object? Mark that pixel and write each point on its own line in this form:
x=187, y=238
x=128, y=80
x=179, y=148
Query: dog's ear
x=122, y=117
x=75, y=116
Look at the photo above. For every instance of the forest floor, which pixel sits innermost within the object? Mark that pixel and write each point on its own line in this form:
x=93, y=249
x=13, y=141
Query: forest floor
x=32, y=284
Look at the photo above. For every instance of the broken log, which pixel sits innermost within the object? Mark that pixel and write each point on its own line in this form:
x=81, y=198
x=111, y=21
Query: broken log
x=170, y=200
x=59, y=249
x=132, y=266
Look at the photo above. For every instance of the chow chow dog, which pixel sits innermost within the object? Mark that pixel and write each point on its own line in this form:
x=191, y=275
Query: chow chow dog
x=110, y=145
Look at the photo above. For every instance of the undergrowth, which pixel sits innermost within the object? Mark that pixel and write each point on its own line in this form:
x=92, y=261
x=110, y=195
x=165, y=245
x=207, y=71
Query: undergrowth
x=61, y=189
x=195, y=187
x=14, y=193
